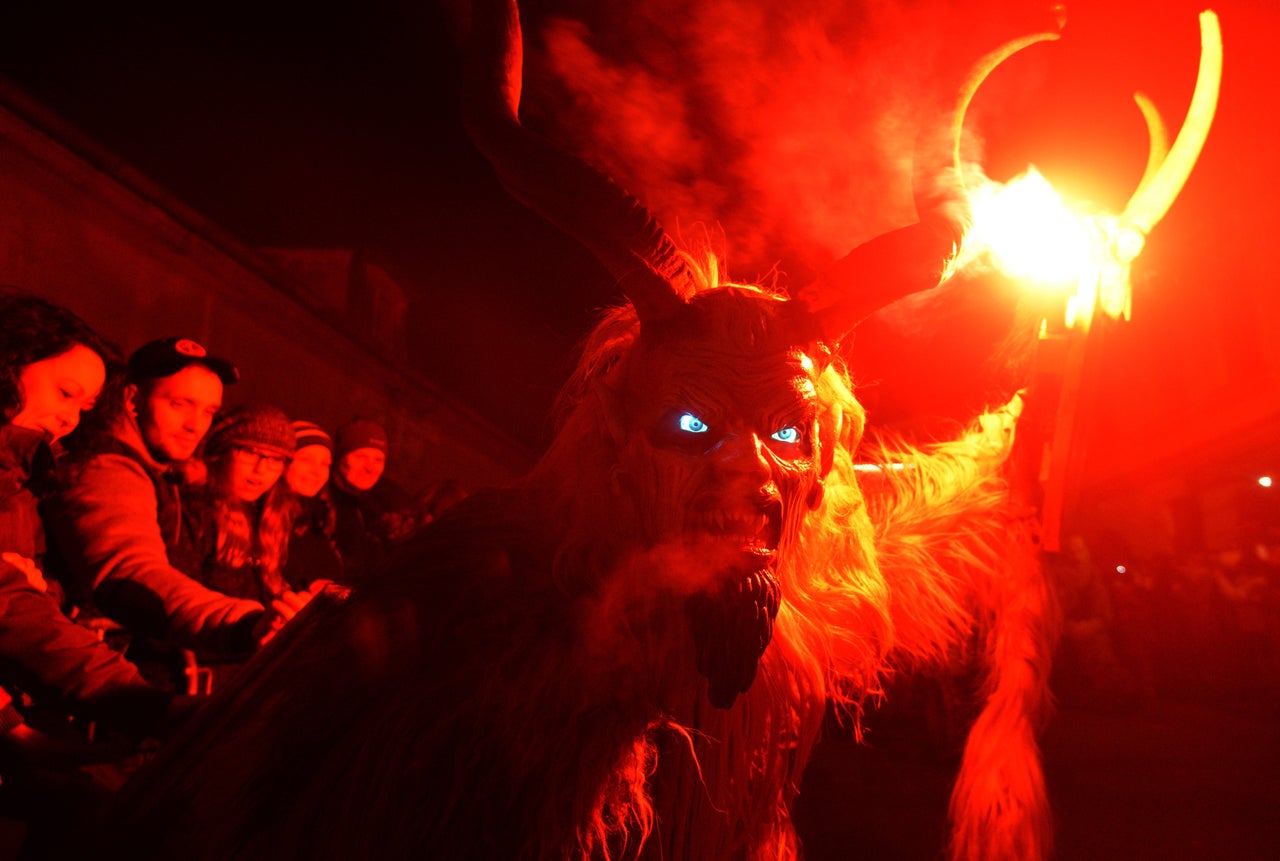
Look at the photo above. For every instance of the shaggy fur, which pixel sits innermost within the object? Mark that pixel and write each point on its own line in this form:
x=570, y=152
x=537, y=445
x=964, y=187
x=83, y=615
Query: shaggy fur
x=522, y=683
x=958, y=547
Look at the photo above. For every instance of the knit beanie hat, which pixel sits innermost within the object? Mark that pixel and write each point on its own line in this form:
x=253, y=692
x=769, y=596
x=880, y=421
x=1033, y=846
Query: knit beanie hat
x=262, y=426
x=359, y=433
x=310, y=433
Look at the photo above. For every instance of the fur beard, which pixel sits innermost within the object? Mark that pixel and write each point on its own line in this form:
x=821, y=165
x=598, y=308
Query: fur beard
x=731, y=629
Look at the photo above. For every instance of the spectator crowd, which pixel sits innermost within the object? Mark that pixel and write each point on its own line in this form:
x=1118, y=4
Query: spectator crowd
x=152, y=539
x=1203, y=626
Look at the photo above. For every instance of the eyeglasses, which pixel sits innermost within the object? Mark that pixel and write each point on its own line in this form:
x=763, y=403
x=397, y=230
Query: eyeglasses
x=254, y=456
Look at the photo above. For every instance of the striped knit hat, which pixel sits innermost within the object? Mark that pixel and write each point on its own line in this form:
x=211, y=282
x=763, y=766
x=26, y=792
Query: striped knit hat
x=310, y=433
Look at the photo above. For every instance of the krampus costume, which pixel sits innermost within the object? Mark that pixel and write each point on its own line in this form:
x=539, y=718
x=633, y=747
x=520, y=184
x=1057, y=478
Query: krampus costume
x=630, y=653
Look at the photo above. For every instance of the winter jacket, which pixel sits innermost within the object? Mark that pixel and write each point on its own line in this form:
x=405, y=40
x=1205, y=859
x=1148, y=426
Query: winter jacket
x=9, y=715
x=359, y=532
x=200, y=525
x=25, y=462
x=116, y=520
x=312, y=555
x=42, y=652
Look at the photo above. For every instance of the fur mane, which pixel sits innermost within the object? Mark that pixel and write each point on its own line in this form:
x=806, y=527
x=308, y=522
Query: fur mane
x=898, y=570
x=831, y=636
x=835, y=602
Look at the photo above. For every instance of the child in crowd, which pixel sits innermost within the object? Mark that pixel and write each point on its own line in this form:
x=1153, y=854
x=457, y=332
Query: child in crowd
x=312, y=553
x=240, y=522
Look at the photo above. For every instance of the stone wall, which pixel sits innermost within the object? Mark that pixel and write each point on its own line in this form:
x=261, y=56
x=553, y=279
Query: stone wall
x=84, y=230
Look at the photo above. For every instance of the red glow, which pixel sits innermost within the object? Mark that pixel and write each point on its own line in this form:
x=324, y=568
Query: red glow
x=786, y=128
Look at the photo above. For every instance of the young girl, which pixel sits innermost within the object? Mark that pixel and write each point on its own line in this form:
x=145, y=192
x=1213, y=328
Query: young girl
x=241, y=521
x=312, y=552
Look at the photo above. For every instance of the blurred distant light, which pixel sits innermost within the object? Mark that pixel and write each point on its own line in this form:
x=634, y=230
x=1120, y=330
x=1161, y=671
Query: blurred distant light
x=1120, y=569
x=1265, y=481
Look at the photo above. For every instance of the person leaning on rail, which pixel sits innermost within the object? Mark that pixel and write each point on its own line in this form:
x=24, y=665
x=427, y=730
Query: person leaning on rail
x=117, y=519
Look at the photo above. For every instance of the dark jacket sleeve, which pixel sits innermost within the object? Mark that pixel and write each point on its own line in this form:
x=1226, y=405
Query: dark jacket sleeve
x=10, y=717
x=106, y=528
x=57, y=661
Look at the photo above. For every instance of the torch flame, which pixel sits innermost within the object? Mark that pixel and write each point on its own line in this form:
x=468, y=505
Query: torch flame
x=1029, y=233
x=1026, y=231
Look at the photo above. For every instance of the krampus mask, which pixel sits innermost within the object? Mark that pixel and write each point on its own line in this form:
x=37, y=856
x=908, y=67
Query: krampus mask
x=720, y=450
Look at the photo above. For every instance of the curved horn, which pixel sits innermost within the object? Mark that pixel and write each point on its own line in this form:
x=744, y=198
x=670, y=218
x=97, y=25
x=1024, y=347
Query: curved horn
x=1157, y=140
x=1157, y=191
x=578, y=199
x=878, y=273
x=917, y=257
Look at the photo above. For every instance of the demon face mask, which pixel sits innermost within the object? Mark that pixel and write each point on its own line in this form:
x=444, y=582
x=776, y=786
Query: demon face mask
x=716, y=420
x=721, y=456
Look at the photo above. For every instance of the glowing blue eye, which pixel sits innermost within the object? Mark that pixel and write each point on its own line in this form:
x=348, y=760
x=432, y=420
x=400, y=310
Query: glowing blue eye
x=689, y=423
x=788, y=434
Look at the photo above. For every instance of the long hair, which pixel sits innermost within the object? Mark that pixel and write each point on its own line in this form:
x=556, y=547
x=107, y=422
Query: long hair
x=34, y=330
x=312, y=512
x=260, y=538
x=957, y=540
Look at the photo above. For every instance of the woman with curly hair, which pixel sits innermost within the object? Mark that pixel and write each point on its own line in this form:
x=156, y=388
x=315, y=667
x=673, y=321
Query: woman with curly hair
x=52, y=368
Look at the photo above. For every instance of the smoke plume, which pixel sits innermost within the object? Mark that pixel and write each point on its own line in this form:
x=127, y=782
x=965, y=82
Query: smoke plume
x=783, y=132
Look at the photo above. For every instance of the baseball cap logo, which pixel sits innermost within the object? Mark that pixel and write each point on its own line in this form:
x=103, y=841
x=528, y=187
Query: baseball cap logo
x=188, y=347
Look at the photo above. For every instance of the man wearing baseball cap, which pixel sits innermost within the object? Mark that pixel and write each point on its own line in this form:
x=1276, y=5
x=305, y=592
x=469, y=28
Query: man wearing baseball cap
x=118, y=520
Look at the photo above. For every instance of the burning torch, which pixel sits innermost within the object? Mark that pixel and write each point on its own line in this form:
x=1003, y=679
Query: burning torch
x=1026, y=231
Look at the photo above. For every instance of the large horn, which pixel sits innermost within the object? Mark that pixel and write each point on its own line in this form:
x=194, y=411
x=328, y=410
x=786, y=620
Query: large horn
x=578, y=199
x=1167, y=171
x=917, y=257
x=883, y=270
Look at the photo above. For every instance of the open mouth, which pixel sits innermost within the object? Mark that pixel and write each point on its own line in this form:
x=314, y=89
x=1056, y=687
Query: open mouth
x=754, y=530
